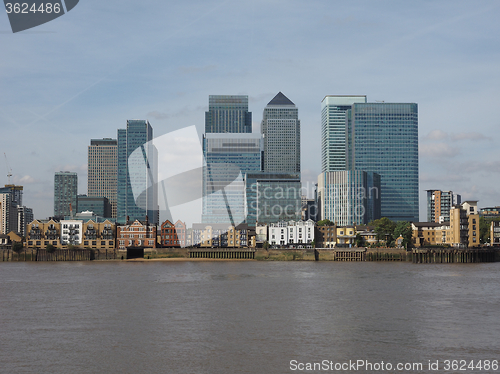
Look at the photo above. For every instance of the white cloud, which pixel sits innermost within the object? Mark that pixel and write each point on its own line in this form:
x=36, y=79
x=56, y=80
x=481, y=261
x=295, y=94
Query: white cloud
x=474, y=136
x=438, y=150
x=436, y=135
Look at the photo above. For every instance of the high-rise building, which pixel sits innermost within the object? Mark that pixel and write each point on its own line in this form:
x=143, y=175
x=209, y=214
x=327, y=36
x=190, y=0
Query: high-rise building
x=228, y=114
x=333, y=121
x=439, y=204
x=65, y=193
x=24, y=217
x=273, y=197
x=281, y=130
x=383, y=138
x=228, y=158
x=102, y=170
x=349, y=197
x=137, y=192
x=100, y=206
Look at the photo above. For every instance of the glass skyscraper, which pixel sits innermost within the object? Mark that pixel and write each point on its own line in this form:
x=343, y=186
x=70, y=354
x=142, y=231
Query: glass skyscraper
x=228, y=158
x=273, y=197
x=65, y=193
x=137, y=192
x=349, y=197
x=281, y=129
x=228, y=114
x=383, y=138
x=333, y=141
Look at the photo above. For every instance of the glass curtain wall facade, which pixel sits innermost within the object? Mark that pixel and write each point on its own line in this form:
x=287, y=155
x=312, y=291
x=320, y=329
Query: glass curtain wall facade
x=65, y=193
x=349, y=197
x=102, y=170
x=140, y=174
x=228, y=114
x=273, y=197
x=281, y=130
x=228, y=158
x=383, y=138
x=333, y=130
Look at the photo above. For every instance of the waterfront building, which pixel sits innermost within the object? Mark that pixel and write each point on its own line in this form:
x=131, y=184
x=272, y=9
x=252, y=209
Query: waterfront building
x=136, y=234
x=65, y=193
x=11, y=197
x=325, y=236
x=229, y=158
x=272, y=197
x=222, y=236
x=295, y=234
x=346, y=236
x=333, y=130
x=495, y=233
x=349, y=197
x=173, y=235
x=439, y=204
x=103, y=171
x=71, y=232
x=137, y=191
x=228, y=114
x=261, y=234
x=429, y=233
x=80, y=234
x=24, y=216
x=280, y=128
x=100, y=206
x=461, y=231
x=383, y=138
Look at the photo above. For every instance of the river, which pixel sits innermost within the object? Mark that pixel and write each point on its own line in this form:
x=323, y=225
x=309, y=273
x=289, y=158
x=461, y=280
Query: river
x=245, y=317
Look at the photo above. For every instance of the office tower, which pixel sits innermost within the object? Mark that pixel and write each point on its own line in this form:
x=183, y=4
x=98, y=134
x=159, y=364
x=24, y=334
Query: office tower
x=333, y=141
x=100, y=206
x=383, y=138
x=281, y=130
x=228, y=114
x=137, y=193
x=102, y=171
x=65, y=193
x=228, y=158
x=439, y=204
x=273, y=197
x=349, y=197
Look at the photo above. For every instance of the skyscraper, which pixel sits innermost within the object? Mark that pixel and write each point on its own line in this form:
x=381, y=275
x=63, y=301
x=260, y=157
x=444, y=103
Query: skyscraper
x=333, y=114
x=349, y=197
x=102, y=170
x=281, y=130
x=65, y=193
x=383, y=138
x=228, y=114
x=226, y=156
x=137, y=192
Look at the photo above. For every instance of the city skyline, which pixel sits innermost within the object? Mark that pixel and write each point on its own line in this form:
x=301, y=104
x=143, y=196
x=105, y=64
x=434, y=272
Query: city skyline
x=174, y=67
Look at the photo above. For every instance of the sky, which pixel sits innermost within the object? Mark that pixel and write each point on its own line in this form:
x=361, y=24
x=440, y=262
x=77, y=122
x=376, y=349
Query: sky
x=81, y=76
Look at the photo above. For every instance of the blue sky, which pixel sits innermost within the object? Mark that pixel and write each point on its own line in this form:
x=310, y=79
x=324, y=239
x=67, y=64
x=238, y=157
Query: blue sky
x=83, y=75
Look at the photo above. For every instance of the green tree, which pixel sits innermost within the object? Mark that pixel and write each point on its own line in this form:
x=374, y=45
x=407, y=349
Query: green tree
x=50, y=248
x=17, y=247
x=384, y=228
x=265, y=245
x=313, y=244
x=325, y=222
x=404, y=229
x=360, y=241
x=484, y=230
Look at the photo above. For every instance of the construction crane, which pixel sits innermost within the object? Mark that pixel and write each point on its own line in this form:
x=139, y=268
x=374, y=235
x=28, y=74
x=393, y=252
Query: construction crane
x=9, y=170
